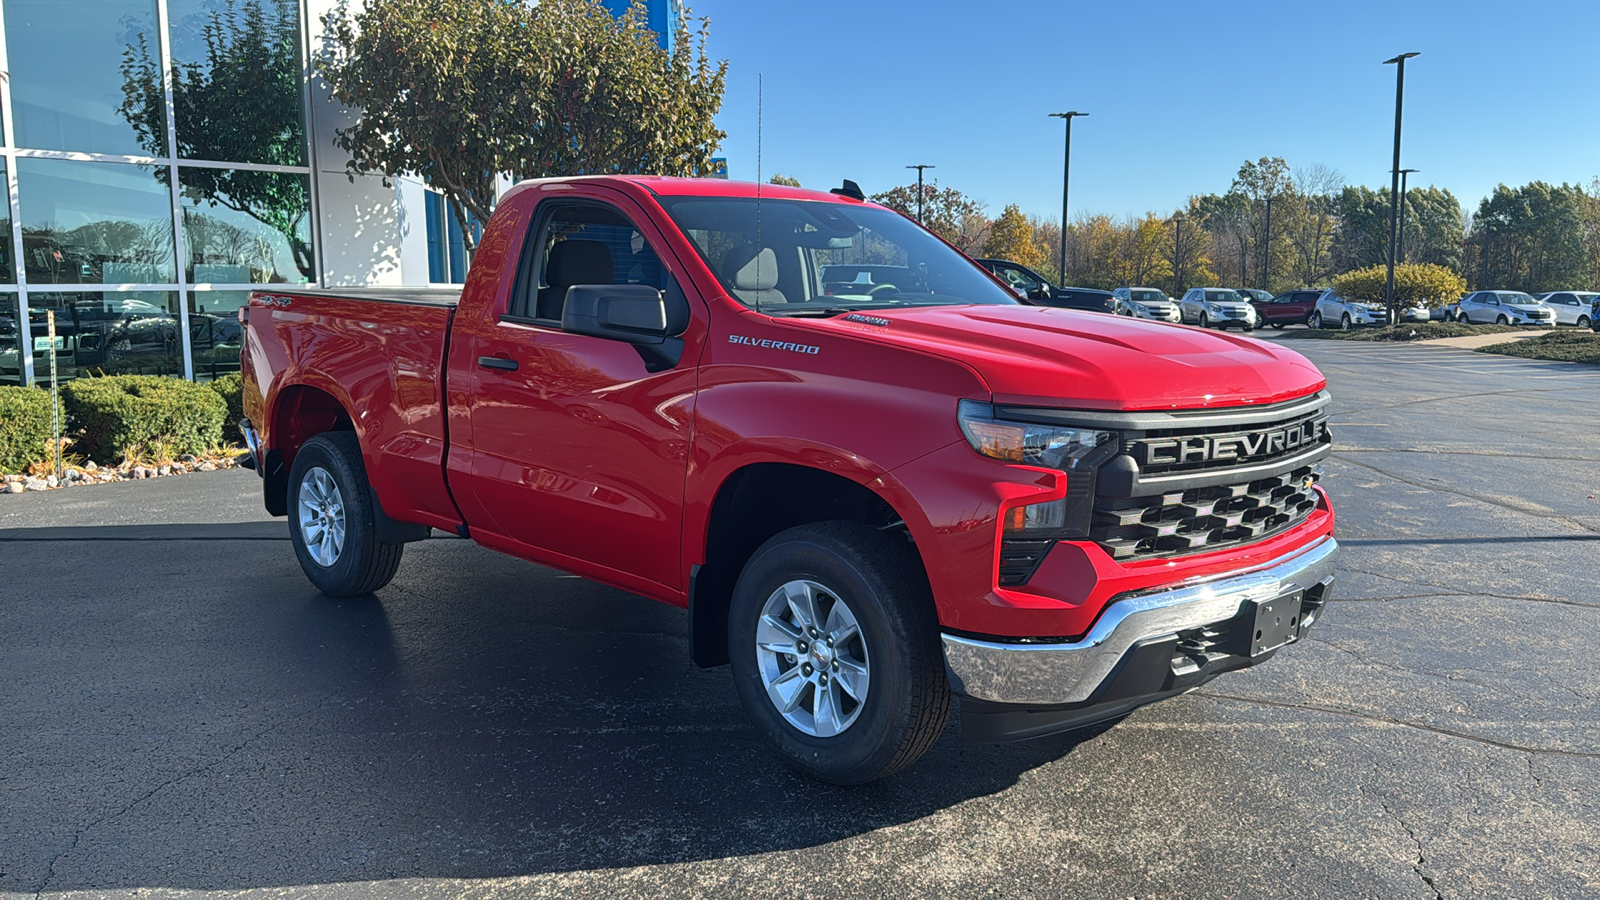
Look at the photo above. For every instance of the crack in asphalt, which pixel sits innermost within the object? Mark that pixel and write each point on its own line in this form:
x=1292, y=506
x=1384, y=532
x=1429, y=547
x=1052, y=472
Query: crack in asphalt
x=1436, y=451
x=1401, y=723
x=1446, y=590
x=1549, y=515
x=77, y=837
x=1397, y=667
x=1422, y=859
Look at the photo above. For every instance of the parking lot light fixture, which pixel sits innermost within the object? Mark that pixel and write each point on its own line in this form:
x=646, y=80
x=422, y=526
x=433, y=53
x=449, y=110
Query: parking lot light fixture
x=1066, y=174
x=1177, y=253
x=919, y=167
x=1394, y=183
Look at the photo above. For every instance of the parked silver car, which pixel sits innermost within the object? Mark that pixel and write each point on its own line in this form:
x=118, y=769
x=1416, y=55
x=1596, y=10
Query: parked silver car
x=1217, y=307
x=1571, y=307
x=1503, y=308
x=1148, y=303
x=1334, y=311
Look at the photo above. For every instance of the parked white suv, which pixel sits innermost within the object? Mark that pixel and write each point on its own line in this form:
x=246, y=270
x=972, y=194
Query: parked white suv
x=1219, y=307
x=1334, y=311
x=1148, y=303
x=1503, y=308
x=1571, y=307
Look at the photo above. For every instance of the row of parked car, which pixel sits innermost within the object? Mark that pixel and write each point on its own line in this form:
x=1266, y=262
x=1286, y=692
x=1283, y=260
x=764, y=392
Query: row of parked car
x=1250, y=308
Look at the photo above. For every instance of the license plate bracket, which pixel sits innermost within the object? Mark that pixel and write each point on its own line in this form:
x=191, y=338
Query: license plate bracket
x=1276, y=622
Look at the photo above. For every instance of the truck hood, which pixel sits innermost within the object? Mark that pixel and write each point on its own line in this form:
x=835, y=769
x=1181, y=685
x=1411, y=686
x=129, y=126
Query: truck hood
x=1065, y=358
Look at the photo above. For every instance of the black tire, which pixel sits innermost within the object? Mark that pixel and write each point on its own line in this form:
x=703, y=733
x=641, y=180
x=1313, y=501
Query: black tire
x=1502, y=320
x=362, y=564
x=1278, y=325
x=1205, y=322
x=1314, y=320
x=1344, y=322
x=881, y=580
x=1583, y=321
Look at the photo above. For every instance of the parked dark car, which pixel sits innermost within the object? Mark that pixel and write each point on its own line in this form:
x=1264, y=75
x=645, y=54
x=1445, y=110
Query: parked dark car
x=1254, y=295
x=1032, y=287
x=1288, y=308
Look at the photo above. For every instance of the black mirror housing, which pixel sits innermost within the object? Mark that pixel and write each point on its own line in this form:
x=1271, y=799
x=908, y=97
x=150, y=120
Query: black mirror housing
x=635, y=314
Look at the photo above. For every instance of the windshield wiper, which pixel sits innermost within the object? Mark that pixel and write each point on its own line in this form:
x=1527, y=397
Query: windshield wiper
x=817, y=313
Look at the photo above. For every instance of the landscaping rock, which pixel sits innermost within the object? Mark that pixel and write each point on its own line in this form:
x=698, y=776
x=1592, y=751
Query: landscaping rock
x=14, y=487
x=187, y=458
x=166, y=470
x=90, y=466
x=35, y=484
x=51, y=481
x=206, y=467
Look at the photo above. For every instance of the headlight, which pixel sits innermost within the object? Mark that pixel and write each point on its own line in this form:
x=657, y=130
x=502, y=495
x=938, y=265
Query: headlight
x=1047, y=446
x=1076, y=451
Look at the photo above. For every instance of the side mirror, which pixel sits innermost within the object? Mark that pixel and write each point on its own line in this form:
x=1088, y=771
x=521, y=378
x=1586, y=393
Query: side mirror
x=634, y=314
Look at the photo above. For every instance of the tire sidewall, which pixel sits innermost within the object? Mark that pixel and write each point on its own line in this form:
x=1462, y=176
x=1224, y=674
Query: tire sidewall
x=861, y=750
x=323, y=452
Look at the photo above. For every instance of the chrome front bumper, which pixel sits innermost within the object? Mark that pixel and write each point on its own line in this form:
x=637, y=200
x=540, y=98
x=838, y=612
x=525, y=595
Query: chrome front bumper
x=1072, y=671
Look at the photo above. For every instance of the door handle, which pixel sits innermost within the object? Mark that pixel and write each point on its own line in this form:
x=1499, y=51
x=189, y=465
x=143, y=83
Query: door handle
x=497, y=362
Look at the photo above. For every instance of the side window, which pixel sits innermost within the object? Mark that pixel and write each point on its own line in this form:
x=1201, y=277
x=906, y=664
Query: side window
x=582, y=244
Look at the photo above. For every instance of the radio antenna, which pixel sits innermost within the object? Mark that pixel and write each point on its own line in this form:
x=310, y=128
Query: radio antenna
x=760, y=84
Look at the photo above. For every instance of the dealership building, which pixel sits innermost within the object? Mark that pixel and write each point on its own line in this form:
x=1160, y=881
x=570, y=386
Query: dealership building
x=163, y=158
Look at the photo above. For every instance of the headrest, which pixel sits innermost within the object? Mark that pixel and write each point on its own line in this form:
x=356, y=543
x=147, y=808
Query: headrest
x=750, y=270
x=579, y=262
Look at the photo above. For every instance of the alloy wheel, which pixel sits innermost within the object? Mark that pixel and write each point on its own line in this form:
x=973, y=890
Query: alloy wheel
x=321, y=516
x=812, y=659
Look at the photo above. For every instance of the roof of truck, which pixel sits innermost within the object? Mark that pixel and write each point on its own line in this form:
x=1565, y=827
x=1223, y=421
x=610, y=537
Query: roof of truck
x=664, y=186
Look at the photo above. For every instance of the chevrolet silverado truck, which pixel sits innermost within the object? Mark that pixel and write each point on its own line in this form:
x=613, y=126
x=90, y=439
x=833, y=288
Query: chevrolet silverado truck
x=876, y=497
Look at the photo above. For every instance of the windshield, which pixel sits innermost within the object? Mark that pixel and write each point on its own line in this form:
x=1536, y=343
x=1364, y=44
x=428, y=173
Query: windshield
x=1222, y=296
x=819, y=258
x=1147, y=296
x=1516, y=299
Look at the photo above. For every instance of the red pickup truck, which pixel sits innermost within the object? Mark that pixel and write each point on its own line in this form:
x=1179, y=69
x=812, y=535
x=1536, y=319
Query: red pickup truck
x=878, y=483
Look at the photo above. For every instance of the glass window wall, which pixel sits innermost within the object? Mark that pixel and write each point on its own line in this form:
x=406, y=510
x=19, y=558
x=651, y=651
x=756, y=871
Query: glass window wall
x=229, y=55
x=242, y=226
x=94, y=223
x=107, y=333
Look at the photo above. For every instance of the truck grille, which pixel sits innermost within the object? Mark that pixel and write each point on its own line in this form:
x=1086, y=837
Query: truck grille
x=1204, y=518
x=1196, y=450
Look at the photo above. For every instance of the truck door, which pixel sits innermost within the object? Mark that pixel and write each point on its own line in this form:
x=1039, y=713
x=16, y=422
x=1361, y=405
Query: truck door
x=579, y=453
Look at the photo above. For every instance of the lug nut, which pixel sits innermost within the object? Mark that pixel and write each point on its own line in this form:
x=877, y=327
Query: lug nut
x=824, y=680
x=800, y=645
x=836, y=665
x=806, y=669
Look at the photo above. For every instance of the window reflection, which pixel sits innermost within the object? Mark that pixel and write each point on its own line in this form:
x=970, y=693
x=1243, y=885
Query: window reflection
x=105, y=332
x=242, y=226
x=94, y=223
x=8, y=274
x=74, y=63
x=229, y=56
x=215, y=335
x=10, y=360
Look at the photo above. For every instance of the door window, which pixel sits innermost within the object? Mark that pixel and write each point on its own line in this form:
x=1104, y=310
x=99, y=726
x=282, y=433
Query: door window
x=583, y=244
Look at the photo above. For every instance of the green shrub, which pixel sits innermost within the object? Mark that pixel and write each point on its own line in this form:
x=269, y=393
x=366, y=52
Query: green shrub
x=24, y=427
x=136, y=416
x=230, y=388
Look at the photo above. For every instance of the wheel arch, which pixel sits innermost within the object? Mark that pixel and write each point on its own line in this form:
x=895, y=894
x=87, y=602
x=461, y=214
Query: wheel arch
x=753, y=503
x=298, y=413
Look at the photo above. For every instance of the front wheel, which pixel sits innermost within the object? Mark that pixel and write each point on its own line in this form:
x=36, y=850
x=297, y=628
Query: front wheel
x=1205, y=322
x=1278, y=325
x=1583, y=321
x=331, y=519
x=836, y=654
x=1344, y=322
x=1314, y=320
x=1502, y=320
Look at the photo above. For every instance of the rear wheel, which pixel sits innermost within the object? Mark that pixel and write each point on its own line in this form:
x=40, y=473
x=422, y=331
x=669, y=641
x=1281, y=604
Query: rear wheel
x=1278, y=325
x=835, y=651
x=331, y=519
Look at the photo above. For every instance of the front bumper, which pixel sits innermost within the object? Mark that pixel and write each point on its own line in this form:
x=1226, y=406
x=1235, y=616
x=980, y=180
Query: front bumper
x=1143, y=647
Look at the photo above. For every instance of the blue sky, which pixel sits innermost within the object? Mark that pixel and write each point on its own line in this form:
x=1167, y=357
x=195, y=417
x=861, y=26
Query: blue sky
x=1179, y=94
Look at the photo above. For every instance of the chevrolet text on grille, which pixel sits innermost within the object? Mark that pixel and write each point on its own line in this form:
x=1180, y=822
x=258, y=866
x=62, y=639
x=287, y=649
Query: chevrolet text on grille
x=1227, y=447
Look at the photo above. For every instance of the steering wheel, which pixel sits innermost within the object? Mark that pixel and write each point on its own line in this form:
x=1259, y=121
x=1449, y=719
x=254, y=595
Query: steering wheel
x=882, y=289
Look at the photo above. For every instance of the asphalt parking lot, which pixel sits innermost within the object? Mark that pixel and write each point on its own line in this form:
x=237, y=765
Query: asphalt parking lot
x=183, y=713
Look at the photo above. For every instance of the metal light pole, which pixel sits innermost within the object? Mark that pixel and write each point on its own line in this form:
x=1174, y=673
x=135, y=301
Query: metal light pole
x=1266, y=257
x=919, y=167
x=1394, y=183
x=1066, y=172
x=1402, y=243
x=1177, y=254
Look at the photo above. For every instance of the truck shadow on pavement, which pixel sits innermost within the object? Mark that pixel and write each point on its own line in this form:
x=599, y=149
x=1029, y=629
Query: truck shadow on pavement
x=483, y=718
